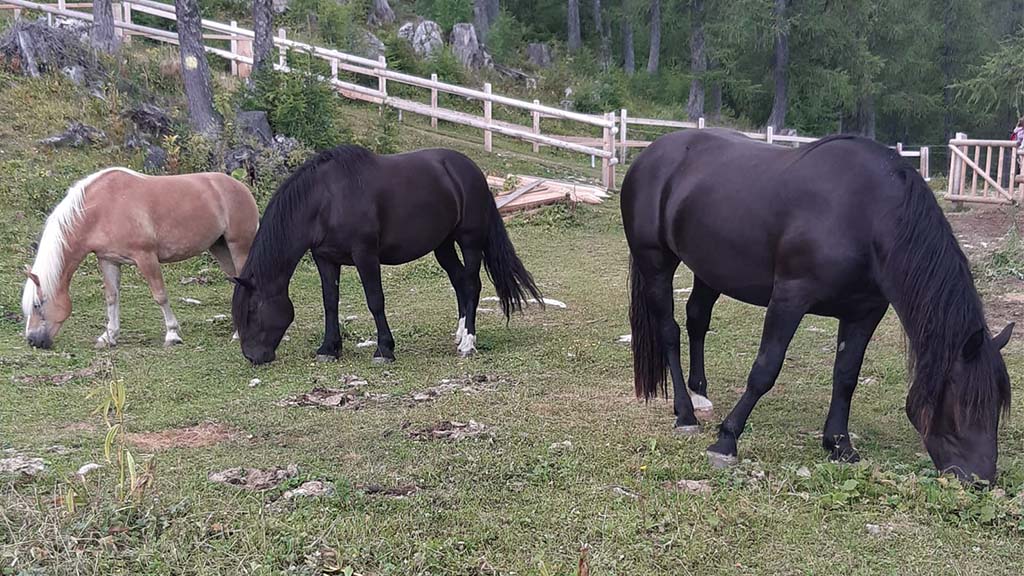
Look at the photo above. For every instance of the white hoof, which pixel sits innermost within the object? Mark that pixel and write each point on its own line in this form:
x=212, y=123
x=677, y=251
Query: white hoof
x=719, y=461
x=235, y=335
x=700, y=402
x=468, y=346
x=380, y=360
x=172, y=339
x=460, y=331
x=105, y=341
x=691, y=430
x=326, y=358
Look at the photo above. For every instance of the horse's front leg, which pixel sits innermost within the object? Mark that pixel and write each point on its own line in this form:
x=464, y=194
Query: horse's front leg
x=111, y=272
x=853, y=340
x=149, y=267
x=330, y=273
x=368, y=264
x=474, y=257
x=785, y=311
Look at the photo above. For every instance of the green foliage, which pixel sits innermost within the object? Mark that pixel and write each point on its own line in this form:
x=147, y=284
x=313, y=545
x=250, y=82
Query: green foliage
x=446, y=66
x=383, y=138
x=506, y=37
x=998, y=82
x=1008, y=261
x=337, y=23
x=604, y=94
x=297, y=105
x=447, y=13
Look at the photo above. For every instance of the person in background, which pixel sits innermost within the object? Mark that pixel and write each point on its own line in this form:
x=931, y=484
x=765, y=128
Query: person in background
x=1018, y=133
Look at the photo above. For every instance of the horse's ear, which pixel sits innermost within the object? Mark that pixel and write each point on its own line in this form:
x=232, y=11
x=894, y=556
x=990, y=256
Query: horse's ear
x=973, y=344
x=1003, y=337
x=31, y=276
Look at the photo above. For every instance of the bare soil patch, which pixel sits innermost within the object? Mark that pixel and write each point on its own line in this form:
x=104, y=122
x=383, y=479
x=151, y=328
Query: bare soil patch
x=205, y=434
x=254, y=479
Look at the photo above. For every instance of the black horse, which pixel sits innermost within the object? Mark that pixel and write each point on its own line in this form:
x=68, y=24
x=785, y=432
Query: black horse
x=841, y=228
x=352, y=207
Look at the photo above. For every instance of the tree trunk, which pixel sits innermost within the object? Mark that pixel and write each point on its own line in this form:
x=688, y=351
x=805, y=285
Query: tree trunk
x=715, y=112
x=263, y=26
x=485, y=14
x=652, y=58
x=599, y=29
x=195, y=72
x=780, y=67
x=866, y=116
x=628, y=56
x=947, y=64
x=381, y=13
x=102, y=33
x=698, y=61
x=575, y=42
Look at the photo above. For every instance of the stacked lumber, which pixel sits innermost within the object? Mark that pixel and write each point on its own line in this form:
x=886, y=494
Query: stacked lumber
x=517, y=192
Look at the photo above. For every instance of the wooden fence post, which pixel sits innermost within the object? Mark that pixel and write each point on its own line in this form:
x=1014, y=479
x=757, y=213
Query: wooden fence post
x=623, y=122
x=433, y=100
x=282, y=54
x=536, y=126
x=127, y=9
x=488, y=110
x=769, y=135
x=700, y=123
x=118, y=18
x=607, y=164
x=234, y=49
x=334, y=68
x=382, y=82
x=926, y=164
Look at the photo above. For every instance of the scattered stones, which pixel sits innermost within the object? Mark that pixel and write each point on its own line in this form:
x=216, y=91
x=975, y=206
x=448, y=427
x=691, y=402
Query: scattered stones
x=323, y=397
x=254, y=479
x=701, y=487
x=469, y=385
x=255, y=382
x=351, y=381
x=76, y=135
x=191, y=301
x=21, y=466
x=452, y=431
x=311, y=489
x=878, y=529
x=205, y=434
x=560, y=446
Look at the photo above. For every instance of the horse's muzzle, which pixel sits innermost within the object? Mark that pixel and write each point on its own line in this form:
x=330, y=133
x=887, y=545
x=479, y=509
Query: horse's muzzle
x=40, y=339
x=260, y=359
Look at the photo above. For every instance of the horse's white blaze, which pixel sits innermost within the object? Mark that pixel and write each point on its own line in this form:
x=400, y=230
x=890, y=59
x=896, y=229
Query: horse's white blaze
x=49, y=262
x=468, y=345
x=460, y=330
x=699, y=401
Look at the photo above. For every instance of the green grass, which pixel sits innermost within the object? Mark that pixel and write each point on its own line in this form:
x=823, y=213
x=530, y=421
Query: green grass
x=515, y=504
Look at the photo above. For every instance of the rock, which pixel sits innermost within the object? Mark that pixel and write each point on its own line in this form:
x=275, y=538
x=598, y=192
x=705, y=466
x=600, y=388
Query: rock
x=156, y=158
x=279, y=6
x=150, y=119
x=559, y=446
x=803, y=472
x=539, y=54
x=74, y=73
x=285, y=145
x=254, y=124
x=243, y=157
x=427, y=40
x=311, y=489
x=406, y=31
x=22, y=466
x=254, y=479
x=370, y=46
x=76, y=136
x=467, y=48
x=255, y=382
x=381, y=14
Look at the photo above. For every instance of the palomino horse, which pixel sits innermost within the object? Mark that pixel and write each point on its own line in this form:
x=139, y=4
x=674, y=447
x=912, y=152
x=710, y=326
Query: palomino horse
x=129, y=218
x=351, y=207
x=841, y=228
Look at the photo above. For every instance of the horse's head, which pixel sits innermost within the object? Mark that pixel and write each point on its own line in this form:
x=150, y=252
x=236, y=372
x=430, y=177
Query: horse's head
x=44, y=313
x=261, y=319
x=960, y=428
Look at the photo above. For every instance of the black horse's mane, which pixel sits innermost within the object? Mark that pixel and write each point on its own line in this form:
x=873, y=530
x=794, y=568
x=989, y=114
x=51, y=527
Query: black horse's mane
x=278, y=227
x=933, y=290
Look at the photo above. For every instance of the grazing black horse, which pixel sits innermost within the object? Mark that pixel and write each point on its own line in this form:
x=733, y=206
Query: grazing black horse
x=841, y=228
x=349, y=206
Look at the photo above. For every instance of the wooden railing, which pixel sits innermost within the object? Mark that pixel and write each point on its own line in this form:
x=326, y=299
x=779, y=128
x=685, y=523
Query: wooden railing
x=986, y=171
x=240, y=55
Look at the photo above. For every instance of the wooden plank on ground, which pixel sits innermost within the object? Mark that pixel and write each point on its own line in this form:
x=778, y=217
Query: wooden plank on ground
x=505, y=199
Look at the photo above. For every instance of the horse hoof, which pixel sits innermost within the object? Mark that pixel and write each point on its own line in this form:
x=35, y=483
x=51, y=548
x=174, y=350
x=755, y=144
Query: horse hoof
x=326, y=358
x=700, y=402
x=103, y=343
x=686, y=431
x=380, y=360
x=844, y=456
x=172, y=341
x=720, y=461
x=468, y=346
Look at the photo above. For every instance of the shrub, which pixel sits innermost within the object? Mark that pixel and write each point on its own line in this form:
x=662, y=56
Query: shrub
x=297, y=105
x=506, y=37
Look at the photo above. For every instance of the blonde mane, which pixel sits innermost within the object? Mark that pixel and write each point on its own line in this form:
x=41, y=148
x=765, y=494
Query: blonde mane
x=49, y=262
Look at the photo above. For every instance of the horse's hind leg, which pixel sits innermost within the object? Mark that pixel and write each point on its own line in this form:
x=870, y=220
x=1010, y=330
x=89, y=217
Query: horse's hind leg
x=698, y=319
x=149, y=267
x=474, y=257
x=449, y=260
x=368, y=265
x=330, y=274
x=852, y=342
x=112, y=288
x=785, y=311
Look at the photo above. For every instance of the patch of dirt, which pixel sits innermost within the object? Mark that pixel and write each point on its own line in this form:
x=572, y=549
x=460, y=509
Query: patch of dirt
x=311, y=489
x=1004, y=304
x=400, y=491
x=323, y=397
x=78, y=427
x=453, y=431
x=702, y=487
x=981, y=230
x=61, y=378
x=254, y=479
x=469, y=385
x=205, y=434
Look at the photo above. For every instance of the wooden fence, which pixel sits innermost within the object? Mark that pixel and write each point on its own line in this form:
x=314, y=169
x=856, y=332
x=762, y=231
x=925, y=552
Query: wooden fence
x=985, y=171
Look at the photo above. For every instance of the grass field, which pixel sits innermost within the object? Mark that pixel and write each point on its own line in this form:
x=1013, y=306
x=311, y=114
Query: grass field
x=573, y=460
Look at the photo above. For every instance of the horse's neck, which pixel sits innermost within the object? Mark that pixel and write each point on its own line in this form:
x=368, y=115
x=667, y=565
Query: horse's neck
x=284, y=251
x=70, y=262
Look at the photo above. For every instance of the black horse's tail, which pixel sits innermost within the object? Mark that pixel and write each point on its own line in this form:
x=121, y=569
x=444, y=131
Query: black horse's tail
x=648, y=356
x=512, y=282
